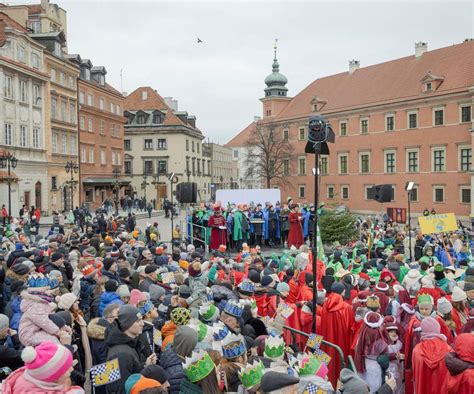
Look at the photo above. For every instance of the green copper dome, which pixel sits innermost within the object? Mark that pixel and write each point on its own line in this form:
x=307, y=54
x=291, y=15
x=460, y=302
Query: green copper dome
x=276, y=81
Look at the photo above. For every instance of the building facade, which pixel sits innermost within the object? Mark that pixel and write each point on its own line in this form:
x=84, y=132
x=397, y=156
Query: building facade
x=101, y=135
x=160, y=140
x=407, y=119
x=223, y=169
x=22, y=116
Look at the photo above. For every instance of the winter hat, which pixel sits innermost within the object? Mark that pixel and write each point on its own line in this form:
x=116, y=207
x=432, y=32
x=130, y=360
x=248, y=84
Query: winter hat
x=194, y=269
x=114, y=253
x=66, y=301
x=352, y=383
x=156, y=292
x=17, y=286
x=88, y=271
x=458, y=295
x=156, y=372
x=58, y=320
x=159, y=250
x=337, y=287
x=275, y=381
x=4, y=322
x=89, y=252
x=135, y=297
x=123, y=291
x=56, y=256
x=266, y=280
x=430, y=329
x=47, y=362
x=382, y=286
x=127, y=315
x=136, y=383
x=180, y=316
x=108, y=262
x=254, y=276
x=20, y=269
x=124, y=273
x=184, y=291
x=149, y=269
x=111, y=286
x=444, y=306
x=282, y=287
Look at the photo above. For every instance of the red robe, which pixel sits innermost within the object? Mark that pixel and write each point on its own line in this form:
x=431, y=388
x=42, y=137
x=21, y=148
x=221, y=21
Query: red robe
x=218, y=236
x=429, y=369
x=337, y=319
x=294, y=290
x=295, y=236
x=457, y=319
x=463, y=382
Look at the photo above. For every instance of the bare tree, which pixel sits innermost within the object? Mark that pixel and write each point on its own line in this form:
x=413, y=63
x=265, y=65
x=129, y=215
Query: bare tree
x=267, y=155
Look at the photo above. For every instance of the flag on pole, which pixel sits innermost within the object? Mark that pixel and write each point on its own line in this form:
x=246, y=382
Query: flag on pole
x=319, y=243
x=314, y=341
x=105, y=373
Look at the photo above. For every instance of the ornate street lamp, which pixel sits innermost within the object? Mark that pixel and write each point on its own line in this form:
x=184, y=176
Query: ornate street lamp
x=144, y=184
x=72, y=168
x=117, y=174
x=9, y=161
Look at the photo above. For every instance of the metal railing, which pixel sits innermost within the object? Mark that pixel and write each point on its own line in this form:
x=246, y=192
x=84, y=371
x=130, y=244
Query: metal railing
x=191, y=238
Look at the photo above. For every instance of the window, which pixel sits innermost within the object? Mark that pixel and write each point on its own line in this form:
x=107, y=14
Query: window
x=102, y=128
x=54, y=182
x=364, y=163
x=438, y=193
x=53, y=74
x=114, y=158
x=414, y=194
x=187, y=145
x=82, y=123
x=72, y=84
x=286, y=167
x=36, y=95
x=89, y=125
x=412, y=120
x=465, y=113
x=72, y=112
x=8, y=87
x=81, y=97
x=330, y=192
x=345, y=192
x=117, y=109
x=369, y=192
x=141, y=119
x=23, y=136
x=390, y=123
x=156, y=119
x=64, y=144
x=161, y=143
x=148, y=167
x=285, y=135
x=127, y=144
x=91, y=155
x=21, y=53
x=438, y=160
x=62, y=78
x=119, y=158
x=465, y=158
x=390, y=162
x=324, y=165
x=127, y=166
x=112, y=129
x=83, y=155
x=438, y=117
x=364, y=126
x=465, y=194
x=301, y=134
x=198, y=144
x=413, y=161
x=192, y=146
x=144, y=95
x=63, y=109
x=102, y=157
x=90, y=100
x=301, y=191
x=343, y=129
x=36, y=137
x=148, y=144
x=236, y=154
x=162, y=167
x=73, y=145
x=101, y=104
x=54, y=108
x=35, y=60
x=54, y=143
x=36, y=28
x=23, y=91
x=112, y=108
x=301, y=166
x=343, y=167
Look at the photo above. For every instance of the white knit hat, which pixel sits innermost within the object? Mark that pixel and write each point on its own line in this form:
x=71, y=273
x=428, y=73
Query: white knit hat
x=66, y=301
x=458, y=295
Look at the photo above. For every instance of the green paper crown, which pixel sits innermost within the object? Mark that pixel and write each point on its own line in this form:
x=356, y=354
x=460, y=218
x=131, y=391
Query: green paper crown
x=308, y=365
x=208, y=311
x=274, y=347
x=251, y=374
x=198, y=366
x=425, y=299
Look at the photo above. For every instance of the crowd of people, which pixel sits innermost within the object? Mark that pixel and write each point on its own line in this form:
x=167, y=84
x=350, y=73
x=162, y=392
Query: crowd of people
x=174, y=319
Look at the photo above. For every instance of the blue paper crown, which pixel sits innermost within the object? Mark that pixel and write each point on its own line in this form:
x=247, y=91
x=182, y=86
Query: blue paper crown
x=38, y=281
x=221, y=334
x=210, y=295
x=146, y=307
x=234, y=309
x=53, y=283
x=234, y=349
x=247, y=286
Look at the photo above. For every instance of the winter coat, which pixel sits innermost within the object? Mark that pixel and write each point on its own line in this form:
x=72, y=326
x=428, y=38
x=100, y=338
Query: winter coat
x=17, y=384
x=198, y=286
x=35, y=325
x=187, y=387
x=146, y=339
x=111, y=275
x=10, y=277
x=173, y=367
x=10, y=356
x=145, y=284
x=16, y=313
x=15, y=255
x=87, y=293
x=107, y=298
x=129, y=353
x=96, y=332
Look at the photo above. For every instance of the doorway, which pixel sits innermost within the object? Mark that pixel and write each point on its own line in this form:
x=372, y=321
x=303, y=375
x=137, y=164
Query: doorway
x=38, y=195
x=27, y=199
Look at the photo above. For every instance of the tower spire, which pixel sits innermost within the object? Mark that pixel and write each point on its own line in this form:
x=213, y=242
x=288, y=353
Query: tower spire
x=275, y=66
x=275, y=81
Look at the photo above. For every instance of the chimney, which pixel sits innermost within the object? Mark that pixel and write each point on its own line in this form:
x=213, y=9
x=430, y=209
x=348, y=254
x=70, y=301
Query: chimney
x=353, y=65
x=420, y=48
x=256, y=118
x=173, y=104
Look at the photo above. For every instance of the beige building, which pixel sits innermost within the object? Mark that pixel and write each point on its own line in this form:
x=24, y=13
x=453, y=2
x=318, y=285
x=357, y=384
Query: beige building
x=160, y=140
x=223, y=169
x=23, y=85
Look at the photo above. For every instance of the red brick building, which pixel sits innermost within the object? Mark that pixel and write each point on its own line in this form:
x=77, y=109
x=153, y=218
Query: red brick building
x=100, y=134
x=408, y=119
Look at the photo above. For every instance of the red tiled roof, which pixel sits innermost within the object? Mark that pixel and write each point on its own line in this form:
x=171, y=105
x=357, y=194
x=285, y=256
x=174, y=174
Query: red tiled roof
x=6, y=21
x=240, y=139
x=34, y=9
x=398, y=79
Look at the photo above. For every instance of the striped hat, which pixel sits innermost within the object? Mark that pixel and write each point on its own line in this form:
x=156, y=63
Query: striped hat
x=47, y=362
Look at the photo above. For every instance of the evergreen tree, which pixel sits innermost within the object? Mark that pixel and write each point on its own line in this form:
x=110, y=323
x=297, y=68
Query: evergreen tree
x=337, y=227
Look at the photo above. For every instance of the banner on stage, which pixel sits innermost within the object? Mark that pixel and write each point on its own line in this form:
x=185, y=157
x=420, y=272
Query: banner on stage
x=398, y=215
x=441, y=223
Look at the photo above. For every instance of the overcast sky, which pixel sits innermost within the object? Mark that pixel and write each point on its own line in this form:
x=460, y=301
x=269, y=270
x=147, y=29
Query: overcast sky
x=221, y=80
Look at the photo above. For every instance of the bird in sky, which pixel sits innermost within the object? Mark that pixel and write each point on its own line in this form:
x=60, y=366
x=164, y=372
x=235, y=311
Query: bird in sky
x=199, y=40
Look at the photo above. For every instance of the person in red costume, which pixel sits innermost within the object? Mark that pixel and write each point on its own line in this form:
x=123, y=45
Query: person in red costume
x=218, y=225
x=295, y=236
x=337, y=319
x=459, y=364
x=428, y=286
x=359, y=307
x=430, y=374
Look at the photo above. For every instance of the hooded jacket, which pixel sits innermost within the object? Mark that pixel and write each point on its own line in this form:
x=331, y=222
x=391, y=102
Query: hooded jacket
x=173, y=367
x=460, y=364
x=96, y=333
x=16, y=313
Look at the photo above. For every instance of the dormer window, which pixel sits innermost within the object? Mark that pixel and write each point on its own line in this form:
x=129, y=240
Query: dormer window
x=428, y=87
x=317, y=104
x=156, y=119
x=144, y=95
x=431, y=82
x=57, y=49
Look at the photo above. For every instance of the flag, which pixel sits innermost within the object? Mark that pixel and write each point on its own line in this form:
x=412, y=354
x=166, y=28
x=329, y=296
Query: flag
x=310, y=389
x=157, y=339
x=105, y=373
x=319, y=243
x=314, y=341
x=322, y=356
x=168, y=278
x=285, y=310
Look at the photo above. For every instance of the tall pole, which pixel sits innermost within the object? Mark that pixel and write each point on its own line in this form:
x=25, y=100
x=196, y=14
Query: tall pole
x=172, y=206
x=9, y=192
x=409, y=225
x=315, y=235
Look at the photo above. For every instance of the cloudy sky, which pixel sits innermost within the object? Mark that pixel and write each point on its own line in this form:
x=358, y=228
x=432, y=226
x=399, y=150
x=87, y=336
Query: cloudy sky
x=221, y=80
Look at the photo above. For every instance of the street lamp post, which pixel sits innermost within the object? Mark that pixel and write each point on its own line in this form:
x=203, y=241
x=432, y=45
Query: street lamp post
x=409, y=188
x=156, y=183
x=144, y=185
x=117, y=174
x=188, y=174
x=221, y=178
x=231, y=182
x=9, y=161
x=72, y=168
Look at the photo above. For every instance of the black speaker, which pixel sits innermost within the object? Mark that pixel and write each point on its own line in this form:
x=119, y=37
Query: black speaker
x=186, y=192
x=382, y=193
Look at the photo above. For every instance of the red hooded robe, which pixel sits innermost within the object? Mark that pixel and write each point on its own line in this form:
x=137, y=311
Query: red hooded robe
x=462, y=382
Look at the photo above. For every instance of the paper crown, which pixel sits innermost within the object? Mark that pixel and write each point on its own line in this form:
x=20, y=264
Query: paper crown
x=37, y=281
x=198, y=366
x=204, y=332
x=425, y=299
x=220, y=331
x=306, y=364
x=233, y=308
x=146, y=307
x=210, y=294
x=246, y=287
x=251, y=374
x=233, y=346
x=208, y=311
x=274, y=347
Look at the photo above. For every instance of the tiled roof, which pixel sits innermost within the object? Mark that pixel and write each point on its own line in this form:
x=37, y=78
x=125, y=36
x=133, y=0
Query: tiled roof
x=240, y=140
x=6, y=21
x=35, y=9
x=395, y=80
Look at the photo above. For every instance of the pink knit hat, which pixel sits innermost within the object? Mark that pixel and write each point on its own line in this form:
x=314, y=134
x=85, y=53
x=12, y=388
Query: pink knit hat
x=135, y=297
x=47, y=362
x=430, y=329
